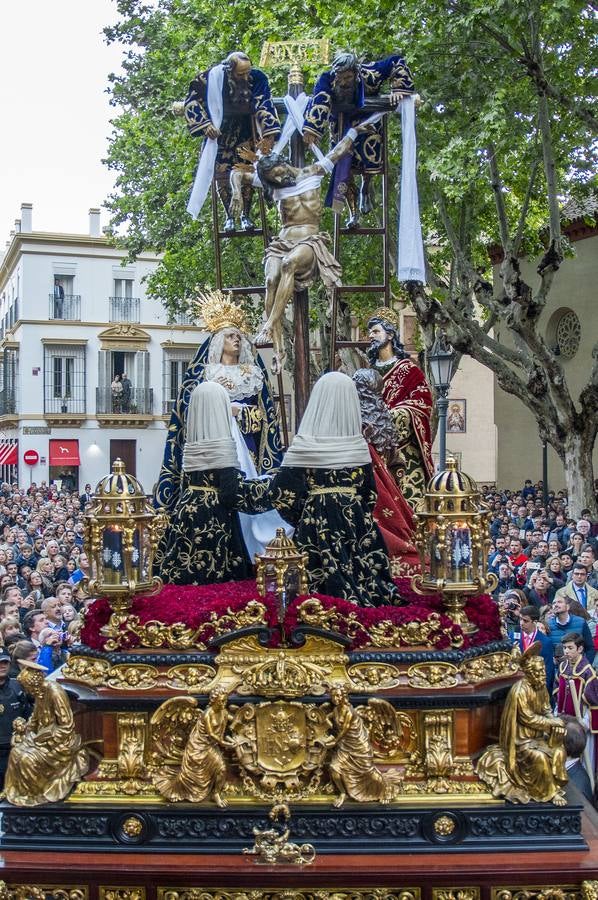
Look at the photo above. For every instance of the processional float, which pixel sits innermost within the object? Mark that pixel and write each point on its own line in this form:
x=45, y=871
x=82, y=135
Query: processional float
x=193, y=732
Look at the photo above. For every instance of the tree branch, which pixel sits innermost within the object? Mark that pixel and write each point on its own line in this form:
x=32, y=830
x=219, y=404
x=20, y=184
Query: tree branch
x=525, y=207
x=497, y=188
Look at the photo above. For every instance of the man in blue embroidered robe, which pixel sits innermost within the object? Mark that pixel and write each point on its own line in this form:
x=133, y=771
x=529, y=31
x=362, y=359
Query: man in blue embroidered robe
x=343, y=90
x=248, y=116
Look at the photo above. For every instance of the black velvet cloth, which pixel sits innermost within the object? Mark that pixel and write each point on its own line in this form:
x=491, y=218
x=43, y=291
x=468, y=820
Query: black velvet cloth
x=204, y=543
x=331, y=510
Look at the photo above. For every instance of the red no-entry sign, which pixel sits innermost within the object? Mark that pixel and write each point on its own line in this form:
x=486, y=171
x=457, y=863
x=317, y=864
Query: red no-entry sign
x=31, y=457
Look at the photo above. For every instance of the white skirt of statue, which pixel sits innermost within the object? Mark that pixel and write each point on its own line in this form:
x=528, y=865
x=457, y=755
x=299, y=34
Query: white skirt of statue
x=258, y=530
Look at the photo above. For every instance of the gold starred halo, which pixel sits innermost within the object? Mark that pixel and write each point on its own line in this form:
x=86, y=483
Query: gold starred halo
x=388, y=314
x=218, y=310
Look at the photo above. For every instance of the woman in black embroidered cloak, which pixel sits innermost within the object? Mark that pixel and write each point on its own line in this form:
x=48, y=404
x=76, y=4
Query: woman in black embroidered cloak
x=326, y=489
x=204, y=543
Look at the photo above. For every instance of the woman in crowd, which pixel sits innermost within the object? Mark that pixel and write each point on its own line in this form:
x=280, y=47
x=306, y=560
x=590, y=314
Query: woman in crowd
x=574, y=548
x=556, y=571
x=326, y=489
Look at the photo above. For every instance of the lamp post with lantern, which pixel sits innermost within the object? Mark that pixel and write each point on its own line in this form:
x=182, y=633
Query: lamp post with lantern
x=441, y=360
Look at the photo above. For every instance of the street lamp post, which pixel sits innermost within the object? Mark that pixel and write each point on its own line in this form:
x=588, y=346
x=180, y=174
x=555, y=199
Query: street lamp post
x=441, y=360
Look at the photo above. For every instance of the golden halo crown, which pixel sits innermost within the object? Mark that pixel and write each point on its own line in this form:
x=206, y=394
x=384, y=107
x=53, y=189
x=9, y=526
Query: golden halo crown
x=218, y=311
x=385, y=312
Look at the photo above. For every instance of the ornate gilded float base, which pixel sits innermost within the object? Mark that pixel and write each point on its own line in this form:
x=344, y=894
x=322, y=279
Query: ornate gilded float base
x=356, y=828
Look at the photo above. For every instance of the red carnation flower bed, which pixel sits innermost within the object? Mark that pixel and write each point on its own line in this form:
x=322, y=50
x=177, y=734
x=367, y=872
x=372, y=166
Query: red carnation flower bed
x=195, y=607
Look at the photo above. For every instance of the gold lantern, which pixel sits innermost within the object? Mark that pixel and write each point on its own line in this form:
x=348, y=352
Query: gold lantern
x=281, y=571
x=452, y=536
x=121, y=531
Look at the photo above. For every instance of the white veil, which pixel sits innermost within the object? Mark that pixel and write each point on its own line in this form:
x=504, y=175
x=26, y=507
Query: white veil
x=209, y=441
x=329, y=436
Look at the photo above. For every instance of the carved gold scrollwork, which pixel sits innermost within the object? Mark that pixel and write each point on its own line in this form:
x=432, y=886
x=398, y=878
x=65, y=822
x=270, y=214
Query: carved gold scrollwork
x=538, y=892
x=192, y=678
x=252, y=669
x=137, y=677
x=122, y=893
x=131, y=730
x=42, y=892
x=373, y=676
x=289, y=894
x=462, y=893
x=438, y=749
x=283, y=674
x=491, y=666
x=82, y=668
x=433, y=675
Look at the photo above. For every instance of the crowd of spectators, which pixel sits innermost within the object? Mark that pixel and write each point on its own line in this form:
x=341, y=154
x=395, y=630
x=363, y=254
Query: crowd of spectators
x=546, y=564
x=43, y=572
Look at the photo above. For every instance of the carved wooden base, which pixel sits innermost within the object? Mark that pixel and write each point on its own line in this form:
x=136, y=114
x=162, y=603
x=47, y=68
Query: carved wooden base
x=433, y=876
x=363, y=828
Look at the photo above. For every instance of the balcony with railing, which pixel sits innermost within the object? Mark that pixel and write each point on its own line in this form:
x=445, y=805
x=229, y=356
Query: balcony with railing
x=68, y=405
x=124, y=309
x=67, y=308
x=118, y=410
x=182, y=318
x=8, y=402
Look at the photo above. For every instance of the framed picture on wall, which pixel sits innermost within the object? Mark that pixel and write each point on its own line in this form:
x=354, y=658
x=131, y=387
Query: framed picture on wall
x=456, y=417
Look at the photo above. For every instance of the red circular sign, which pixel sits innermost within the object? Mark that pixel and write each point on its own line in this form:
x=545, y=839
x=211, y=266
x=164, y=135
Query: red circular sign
x=31, y=457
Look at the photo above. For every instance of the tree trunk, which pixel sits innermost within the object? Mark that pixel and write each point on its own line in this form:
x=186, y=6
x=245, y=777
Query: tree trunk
x=579, y=474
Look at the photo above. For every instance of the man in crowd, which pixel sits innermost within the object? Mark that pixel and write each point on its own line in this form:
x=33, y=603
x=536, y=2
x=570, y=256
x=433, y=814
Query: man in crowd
x=560, y=622
x=579, y=589
x=517, y=559
x=528, y=634
x=13, y=704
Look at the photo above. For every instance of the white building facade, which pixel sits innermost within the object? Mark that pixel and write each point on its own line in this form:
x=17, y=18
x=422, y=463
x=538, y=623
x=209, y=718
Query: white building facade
x=72, y=316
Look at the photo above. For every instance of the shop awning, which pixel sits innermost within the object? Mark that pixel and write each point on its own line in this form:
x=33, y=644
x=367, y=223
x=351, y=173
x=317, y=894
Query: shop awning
x=8, y=454
x=64, y=453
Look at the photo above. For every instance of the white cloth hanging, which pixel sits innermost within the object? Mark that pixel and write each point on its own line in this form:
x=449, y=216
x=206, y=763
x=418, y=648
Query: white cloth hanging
x=410, y=263
x=207, y=158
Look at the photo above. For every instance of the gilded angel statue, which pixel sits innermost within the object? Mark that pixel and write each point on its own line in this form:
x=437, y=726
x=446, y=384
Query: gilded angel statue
x=352, y=766
x=47, y=756
x=188, y=742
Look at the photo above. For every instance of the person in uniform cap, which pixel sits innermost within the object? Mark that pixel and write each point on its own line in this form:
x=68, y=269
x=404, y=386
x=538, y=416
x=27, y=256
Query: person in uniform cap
x=14, y=704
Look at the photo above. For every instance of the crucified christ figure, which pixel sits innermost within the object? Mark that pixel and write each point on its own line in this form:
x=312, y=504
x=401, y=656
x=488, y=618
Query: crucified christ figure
x=301, y=250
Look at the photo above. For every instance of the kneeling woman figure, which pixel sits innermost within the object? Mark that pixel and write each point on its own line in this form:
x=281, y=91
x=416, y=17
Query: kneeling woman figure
x=326, y=489
x=204, y=543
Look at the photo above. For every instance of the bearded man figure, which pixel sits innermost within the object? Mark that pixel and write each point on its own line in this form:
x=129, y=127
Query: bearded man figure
x=342, y=91
x=392, y=514
x=237, y=96
x=409, y=399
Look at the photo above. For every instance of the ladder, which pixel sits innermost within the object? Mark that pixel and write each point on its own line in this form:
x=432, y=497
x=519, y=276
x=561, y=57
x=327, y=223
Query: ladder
x=219, y=236
x=383, y=288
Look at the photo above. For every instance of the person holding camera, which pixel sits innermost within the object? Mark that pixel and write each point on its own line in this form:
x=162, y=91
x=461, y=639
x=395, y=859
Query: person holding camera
x=506, y=581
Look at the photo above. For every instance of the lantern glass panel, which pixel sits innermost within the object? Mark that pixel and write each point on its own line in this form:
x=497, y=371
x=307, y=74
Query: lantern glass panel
x=270, y=580
x=146, y=554
x=435, y=554
x=136, y=556
x=291, y=583
x=113, y=565
x=461, y=569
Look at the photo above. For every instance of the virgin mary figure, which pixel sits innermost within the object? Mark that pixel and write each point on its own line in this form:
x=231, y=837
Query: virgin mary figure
x=226, y=357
